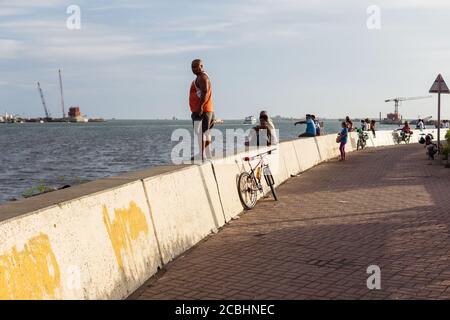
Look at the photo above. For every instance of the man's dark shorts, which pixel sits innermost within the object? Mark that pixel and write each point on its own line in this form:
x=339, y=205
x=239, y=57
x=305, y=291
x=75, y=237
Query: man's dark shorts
x=207, y=119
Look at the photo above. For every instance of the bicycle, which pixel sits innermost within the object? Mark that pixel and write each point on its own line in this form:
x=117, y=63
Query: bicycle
x=249, y=183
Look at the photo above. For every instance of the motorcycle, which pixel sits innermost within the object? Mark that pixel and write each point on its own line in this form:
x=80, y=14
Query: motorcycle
x=401, y=136
x=430, y=146
x=362, y=140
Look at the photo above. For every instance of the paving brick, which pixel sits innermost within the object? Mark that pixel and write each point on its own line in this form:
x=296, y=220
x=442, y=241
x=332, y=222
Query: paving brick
x=387, y=207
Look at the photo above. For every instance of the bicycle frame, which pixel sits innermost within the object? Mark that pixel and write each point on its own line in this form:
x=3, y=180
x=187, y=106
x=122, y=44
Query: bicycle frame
x=260, y=164
x=249, y=182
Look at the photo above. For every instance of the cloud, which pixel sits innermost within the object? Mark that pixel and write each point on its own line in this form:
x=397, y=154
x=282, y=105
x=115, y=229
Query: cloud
x=125, y=42
x=10, y=48
x=6, y=12
x=219, y=25
x=120, y=6
x=415, y=4
x=29, y=4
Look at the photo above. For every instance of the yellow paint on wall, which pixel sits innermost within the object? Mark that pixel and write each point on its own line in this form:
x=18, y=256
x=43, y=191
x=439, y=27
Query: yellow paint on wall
x=124, y=229
x=30, y=274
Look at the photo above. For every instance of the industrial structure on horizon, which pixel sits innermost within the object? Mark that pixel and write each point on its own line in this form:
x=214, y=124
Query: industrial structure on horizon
x=396, y=117
x=74, y=114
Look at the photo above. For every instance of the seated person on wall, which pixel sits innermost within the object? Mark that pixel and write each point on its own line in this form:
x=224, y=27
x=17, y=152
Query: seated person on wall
x=420, y=125
x=317, y=124
x=364, y=125
x=349, y=123
x=265, y=130
x=372, y=127
x=310, y=127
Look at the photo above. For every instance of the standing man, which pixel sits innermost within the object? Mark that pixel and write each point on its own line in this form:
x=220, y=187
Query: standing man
x=201, y=104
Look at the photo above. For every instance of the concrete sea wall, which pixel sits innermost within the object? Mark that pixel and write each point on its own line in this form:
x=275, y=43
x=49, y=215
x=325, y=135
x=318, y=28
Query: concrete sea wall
x=104, y=239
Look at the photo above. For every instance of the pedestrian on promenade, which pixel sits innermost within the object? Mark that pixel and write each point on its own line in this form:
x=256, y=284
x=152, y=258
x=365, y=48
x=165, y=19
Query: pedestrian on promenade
x=372, y=127
x=342, y=139
x=201, y=105
x=265, y=130
x=310, y=127
x=349, y=124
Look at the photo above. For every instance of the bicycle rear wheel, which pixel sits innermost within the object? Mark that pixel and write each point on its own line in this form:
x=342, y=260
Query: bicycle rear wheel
x=247, y=190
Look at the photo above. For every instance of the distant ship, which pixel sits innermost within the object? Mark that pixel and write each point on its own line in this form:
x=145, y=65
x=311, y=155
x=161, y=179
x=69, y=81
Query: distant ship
x=96, y=120
x=250, y=120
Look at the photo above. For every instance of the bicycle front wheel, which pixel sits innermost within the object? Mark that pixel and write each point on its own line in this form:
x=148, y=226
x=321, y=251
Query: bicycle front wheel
x=270, y=182
x=247, y=190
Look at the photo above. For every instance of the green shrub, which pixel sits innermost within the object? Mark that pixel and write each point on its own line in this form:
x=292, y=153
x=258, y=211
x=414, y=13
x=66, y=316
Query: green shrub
x=36, y=190
x=445, y=151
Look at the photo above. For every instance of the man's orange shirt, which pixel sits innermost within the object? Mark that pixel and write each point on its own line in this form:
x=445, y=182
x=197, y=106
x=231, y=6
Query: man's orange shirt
x=194, y=99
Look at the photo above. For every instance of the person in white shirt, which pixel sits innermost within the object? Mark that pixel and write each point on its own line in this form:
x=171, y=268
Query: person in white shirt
x=363, y=125
x=420, y=125
x=265, y=125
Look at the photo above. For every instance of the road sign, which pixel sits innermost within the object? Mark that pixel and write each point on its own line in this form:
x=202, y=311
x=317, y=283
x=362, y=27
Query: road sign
x=439, y=86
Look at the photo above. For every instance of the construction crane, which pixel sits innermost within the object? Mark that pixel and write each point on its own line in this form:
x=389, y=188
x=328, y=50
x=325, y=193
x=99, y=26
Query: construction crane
x=47, y=114
x=62, y=96
x=396, y=116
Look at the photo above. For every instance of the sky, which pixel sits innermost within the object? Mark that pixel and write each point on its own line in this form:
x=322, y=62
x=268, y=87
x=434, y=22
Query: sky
x=131, y=59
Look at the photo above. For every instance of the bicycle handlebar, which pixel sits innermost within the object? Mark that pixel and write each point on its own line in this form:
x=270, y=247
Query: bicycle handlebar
x=259, y=155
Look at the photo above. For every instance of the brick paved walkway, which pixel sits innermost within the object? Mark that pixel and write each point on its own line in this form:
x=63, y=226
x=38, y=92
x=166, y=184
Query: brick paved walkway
x=388, y=207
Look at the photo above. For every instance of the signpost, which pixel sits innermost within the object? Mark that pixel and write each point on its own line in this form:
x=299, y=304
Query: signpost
x=439, y=86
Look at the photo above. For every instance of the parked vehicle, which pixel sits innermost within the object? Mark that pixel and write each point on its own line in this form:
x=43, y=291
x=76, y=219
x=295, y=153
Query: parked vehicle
x=362, y=140
x=401, y=136
x=430, y=146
